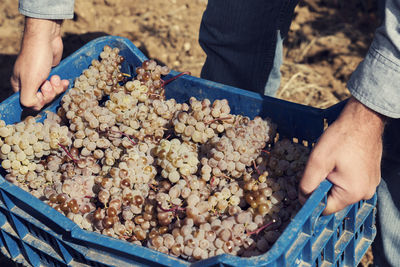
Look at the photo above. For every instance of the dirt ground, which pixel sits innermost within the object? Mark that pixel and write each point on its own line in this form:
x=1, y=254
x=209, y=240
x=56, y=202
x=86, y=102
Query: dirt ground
x=326, y=42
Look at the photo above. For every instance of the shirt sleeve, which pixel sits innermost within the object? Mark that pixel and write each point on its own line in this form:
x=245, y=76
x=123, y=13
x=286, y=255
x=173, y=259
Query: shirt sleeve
x=376, y=81
x=47, y=9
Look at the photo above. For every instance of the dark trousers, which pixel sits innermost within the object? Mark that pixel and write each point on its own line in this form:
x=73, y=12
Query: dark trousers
x=240, y=39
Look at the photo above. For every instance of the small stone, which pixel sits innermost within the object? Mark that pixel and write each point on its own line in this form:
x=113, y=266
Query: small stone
x=176, y=63
x=186, y=46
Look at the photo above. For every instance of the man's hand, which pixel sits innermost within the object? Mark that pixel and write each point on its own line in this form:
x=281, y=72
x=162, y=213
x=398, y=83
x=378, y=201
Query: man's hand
x=41, y=49
x=348, y=154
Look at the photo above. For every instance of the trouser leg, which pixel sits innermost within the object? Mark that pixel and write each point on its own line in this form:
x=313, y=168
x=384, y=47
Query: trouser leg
x=240, y=40
x=274, y=78
x=386, y=246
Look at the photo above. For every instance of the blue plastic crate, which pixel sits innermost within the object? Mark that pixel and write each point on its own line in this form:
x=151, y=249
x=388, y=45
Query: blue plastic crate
x=33, y=233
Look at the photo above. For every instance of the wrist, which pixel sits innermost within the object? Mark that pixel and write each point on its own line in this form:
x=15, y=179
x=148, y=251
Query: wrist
x=362, y=118
x=41, y=30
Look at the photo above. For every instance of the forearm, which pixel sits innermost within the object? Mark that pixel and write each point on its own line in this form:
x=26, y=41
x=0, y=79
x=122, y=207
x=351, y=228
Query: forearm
x=40, y=31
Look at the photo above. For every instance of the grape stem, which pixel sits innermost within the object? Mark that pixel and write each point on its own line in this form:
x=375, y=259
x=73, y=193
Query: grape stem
x=218, y=119
x=164, y=83
x=266, y=151
x=256, y=232
x=173, y=209
x=133, y=142
x=154, y=94
x=215, y=212
x=255, y=167
x=126, y=74
x=225, y=176
x=124, y=134
x=187, y=180
x=212, y=181
x=153, y=187
x=68, y=153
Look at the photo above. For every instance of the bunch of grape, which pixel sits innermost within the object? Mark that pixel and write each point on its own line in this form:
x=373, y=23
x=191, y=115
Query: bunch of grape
x=149, y=74
x=230, y=234
x=150, y=119
x=188, y=179
x=226, y=197
x=24, y=144
x=176, y=159
x=230, y=154
x=102, y=77
x=203, y=120
x=272, y=187
x=72, y=198
x=288, y=159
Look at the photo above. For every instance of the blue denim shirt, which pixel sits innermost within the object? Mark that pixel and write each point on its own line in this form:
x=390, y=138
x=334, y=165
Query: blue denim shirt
x=47, y=9
x=376, y=81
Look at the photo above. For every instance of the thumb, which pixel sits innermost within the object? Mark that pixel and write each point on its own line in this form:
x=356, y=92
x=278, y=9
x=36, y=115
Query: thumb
x=15, y=82
x=57, y=47
x=30, y=97
x=336, y=201
x=31, y=81
x=317, y=169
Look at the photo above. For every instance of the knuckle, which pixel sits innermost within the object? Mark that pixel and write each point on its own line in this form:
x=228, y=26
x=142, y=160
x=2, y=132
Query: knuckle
x=356, y=196
x=50, y=95
x=315, y=160
x=29, y=103
x=60, y=90
x=369, y=194
x=48, y=100
x=304, y=188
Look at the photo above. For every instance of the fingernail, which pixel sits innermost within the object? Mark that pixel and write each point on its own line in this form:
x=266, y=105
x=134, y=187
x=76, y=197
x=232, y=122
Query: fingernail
x=302, y=197
x=65, y=83
x=56, y=80
x=46, y=86
x=39, y=97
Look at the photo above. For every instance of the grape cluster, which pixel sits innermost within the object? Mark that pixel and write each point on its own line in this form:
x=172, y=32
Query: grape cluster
x=23, y=145
x=72, y=198
x=202, y=120
x=188, y=179
x=226, y=197
x=149, y=74
x=146, y=119
x=102, y=77
x=176, y=159
x=236, y=149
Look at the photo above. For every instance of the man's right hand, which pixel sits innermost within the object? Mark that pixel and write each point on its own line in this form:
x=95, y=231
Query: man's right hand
x=348, y=154
x=41, y=49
